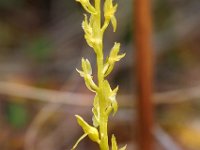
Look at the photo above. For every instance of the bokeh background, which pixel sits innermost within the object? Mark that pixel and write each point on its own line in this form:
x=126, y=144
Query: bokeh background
x=41, y=44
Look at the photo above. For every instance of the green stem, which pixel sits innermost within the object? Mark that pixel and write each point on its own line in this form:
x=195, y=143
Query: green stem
x=104, y=134
x=100, y=62
x=103, y=116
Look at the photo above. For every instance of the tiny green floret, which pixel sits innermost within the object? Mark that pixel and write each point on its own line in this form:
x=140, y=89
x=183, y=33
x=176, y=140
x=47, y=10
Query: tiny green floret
x=105, y=97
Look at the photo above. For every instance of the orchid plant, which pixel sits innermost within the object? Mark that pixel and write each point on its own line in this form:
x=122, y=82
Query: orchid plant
x=105, y=97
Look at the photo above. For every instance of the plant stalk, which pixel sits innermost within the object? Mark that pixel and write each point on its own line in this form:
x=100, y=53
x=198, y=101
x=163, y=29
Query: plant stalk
x=100, y=62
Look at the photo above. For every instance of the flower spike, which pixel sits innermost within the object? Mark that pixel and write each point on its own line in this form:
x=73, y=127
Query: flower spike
x=105, y=101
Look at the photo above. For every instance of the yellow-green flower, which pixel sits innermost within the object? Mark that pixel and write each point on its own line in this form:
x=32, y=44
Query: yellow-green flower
x=113, y=57
x=91, y=131
x=87, y=75
x=109, y=13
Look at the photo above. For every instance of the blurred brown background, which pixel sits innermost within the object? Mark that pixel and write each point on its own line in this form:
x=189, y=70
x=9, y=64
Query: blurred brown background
x=41, y=44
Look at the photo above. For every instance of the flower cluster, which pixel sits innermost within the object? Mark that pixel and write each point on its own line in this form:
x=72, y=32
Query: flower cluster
x=105, y=97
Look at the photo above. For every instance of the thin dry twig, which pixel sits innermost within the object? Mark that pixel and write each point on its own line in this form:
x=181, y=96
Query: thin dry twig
x=165, y=140
x=76, y=99
x=45, y=95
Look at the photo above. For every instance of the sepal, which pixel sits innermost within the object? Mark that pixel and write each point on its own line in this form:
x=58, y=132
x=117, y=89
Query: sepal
x=111, y=98
x=86, y=26
x=86, y=66
x=114, y=143
x=87, y=6
x=96, y=111
x=123, y=148
x=114, y=23
x=91, y=131
x=88, y=29
x=113, y=57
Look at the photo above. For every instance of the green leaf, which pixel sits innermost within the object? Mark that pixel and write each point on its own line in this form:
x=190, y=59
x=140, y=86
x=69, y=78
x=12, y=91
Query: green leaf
x=91, y=131
x=114, y=143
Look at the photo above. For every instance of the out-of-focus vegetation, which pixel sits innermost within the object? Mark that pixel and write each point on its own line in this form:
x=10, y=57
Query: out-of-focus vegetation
x=40, y=45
